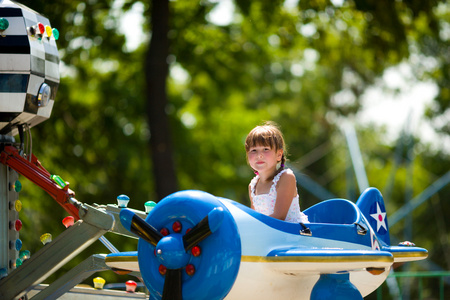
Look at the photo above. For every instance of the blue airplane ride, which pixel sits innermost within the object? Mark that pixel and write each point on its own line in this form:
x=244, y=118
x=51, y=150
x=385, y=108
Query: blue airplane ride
x=194, y=245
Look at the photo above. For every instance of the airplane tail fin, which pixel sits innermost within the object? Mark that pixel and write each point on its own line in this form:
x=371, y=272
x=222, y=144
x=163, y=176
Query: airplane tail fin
x=371, y=204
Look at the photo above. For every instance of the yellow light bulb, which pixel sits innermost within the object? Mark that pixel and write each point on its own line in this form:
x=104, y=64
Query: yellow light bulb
x=18, y=205
x=99, y=282
x=48, y=30
x=46, y=238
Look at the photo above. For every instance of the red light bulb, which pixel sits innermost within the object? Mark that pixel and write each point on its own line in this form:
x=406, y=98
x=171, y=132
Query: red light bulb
x=164, y=231
x=131, y=286
x=162, y=270
x=190, y=269
x=68, y=221
x=41, y=28
x=177, y=226
x=196, y=251
x=18, y=225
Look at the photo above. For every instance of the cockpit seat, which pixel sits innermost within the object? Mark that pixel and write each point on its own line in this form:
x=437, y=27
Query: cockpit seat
x=334, y=211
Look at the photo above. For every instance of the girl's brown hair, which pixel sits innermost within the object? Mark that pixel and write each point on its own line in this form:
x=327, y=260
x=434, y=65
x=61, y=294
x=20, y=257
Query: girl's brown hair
x=269, y=135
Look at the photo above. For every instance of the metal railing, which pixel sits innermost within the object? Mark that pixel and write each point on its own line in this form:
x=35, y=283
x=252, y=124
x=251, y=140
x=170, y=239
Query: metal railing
x=420, y=276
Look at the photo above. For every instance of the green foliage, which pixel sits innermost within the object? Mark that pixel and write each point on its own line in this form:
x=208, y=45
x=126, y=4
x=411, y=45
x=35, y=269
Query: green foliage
x=270, y=63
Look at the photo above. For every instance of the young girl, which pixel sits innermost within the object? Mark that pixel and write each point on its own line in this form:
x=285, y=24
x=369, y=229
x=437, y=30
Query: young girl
x=273, y=191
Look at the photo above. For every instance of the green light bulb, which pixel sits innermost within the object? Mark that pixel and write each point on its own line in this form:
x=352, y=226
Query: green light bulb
x=4, y=24
x=17, y=186
x=18, y=262
x=55, y=33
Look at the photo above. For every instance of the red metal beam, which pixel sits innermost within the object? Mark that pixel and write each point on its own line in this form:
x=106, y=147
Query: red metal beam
x=36, y=173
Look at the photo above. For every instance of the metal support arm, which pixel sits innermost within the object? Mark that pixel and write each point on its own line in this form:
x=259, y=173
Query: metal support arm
x=34, y=171
x=51, y=257
x=92, y=223
x=59, y=287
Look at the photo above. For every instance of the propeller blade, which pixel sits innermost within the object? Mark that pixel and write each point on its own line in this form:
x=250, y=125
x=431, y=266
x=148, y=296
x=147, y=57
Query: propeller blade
x=138, y=226
x=172, y=285
x=204, y=228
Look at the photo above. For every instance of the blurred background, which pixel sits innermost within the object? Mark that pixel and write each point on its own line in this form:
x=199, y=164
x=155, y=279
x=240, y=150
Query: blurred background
x=158, y=96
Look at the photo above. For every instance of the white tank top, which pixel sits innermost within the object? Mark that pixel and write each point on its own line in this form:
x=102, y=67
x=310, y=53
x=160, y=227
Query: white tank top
x=265, y=203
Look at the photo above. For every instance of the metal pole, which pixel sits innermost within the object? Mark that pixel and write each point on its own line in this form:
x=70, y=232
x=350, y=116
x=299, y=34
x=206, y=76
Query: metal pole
x=355, y=154
x=419, y=199
x=312, y=186
x=408, y=228
x=108, y=244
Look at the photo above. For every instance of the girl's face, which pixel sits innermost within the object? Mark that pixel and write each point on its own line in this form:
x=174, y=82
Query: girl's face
x=264, y=158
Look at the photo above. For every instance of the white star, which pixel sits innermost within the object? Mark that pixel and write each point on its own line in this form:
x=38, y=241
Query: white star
x=380, y=218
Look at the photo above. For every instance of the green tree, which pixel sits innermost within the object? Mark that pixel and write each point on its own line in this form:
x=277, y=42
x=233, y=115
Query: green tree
x=305, y=66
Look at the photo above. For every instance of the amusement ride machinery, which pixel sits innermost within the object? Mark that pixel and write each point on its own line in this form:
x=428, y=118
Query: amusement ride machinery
x=29, y=79
x=192, y=245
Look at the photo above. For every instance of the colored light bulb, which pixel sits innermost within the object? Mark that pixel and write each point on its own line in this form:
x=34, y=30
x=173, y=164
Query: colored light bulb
x=3, y=272
x=24, y=255
x=407, y=244
x=190, y=269
x=149, y=205
x=41, y=28
x=162, y=270
x=122, y=201
x=68, y=221
x=18, y=244
x=46, y=238
x=164, y=231
x=131, y=286
x=59, y=181
x=55, y=33
x=48, y=30
x=18, y=225
x=4, y=24
x=196, y=251
x=17, y=186
x=18, y=262
x=177, y=226
x=18, y=205
x=99, y=282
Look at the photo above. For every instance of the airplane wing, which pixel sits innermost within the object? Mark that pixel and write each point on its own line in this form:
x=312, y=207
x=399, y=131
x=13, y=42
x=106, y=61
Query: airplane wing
x=323, y=261
x=407, y=253
x=295, y=260
x=126, y=261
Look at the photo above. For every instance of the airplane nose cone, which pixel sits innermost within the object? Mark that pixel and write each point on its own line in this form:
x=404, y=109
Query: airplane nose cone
x=171, y=253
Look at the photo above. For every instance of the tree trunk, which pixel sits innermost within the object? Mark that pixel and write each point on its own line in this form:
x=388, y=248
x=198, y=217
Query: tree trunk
x=156, y=70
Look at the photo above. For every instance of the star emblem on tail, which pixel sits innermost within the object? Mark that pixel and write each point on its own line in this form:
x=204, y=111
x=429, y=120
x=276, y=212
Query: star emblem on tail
x=380, y=217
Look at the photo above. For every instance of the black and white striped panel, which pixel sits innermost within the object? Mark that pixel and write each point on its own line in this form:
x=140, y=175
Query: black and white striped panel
x=25, y=63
